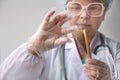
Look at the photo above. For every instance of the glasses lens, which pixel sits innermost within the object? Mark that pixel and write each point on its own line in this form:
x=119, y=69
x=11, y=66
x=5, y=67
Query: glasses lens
x=74, y=7
x=95, y=9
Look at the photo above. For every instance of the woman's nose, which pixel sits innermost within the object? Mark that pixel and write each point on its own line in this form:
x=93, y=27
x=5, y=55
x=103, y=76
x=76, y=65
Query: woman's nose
x=83, y=14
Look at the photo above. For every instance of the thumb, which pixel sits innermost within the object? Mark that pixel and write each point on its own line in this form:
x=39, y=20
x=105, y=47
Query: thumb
x=61, y=41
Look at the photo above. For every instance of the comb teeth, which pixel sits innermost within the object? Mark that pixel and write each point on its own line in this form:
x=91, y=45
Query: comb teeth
x=81, y=41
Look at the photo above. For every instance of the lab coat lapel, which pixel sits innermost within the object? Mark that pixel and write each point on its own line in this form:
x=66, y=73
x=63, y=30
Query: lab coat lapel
x=75, y=68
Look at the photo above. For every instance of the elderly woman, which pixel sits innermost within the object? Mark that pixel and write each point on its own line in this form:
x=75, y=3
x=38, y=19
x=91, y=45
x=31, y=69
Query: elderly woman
x=50, y=55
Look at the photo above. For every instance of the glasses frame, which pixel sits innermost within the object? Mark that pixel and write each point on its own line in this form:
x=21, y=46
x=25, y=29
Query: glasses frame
x=86, y=7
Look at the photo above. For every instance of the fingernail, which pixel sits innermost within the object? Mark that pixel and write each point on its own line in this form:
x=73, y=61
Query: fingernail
x=54, y=8
x=69, y=14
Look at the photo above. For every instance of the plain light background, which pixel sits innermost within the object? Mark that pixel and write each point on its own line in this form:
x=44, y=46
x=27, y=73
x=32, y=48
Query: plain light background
x=19, y=19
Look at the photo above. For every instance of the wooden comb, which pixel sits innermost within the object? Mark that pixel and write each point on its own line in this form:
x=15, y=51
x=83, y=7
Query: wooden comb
x=82, y=43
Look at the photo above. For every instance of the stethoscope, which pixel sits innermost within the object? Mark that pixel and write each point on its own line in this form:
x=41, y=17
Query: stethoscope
x=102, y=45
x=110, y=55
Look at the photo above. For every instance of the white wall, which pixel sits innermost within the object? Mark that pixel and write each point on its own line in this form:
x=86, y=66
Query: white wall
x=19, y=19
x=111, y=24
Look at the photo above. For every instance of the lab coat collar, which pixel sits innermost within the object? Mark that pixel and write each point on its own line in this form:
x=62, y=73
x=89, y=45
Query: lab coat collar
x=95, y=42
x=74, y=62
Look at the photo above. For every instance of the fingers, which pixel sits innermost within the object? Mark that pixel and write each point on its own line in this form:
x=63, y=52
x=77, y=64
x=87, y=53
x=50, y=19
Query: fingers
x=96, y=69
x=61, y=41
x=91, y=74
x=63, y=20
x=102, y=67
x=51, y=22
x=48, y=15
x=69, y=30
x=96, y=62
x=60, y=19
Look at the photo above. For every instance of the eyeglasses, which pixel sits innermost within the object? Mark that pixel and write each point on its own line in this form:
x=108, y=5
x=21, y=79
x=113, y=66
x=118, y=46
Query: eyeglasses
x=93, y=9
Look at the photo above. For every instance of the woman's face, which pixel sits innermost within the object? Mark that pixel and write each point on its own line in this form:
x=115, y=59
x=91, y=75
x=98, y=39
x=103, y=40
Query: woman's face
x=84, y=21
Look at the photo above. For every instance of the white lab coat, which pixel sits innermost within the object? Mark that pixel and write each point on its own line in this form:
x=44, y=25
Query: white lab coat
x=56, y=64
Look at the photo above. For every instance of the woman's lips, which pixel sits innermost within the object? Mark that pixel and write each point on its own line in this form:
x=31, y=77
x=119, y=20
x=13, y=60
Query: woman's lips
x=82, y=26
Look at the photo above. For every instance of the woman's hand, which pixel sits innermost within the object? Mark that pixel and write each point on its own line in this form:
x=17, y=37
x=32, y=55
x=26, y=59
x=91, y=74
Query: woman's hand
x=97, y=70
x=49, y=33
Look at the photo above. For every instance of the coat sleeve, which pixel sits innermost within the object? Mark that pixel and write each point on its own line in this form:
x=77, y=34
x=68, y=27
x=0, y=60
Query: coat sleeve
x=117, y=60
x=21, y=65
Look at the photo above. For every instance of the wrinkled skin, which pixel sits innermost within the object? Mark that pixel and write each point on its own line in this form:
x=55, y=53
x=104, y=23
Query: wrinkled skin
x=96, y=69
